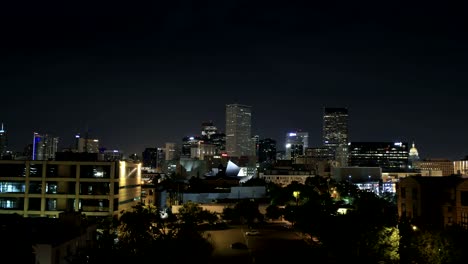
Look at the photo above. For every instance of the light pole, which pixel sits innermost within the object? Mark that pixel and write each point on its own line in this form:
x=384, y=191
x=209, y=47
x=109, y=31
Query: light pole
x=296, y=195
x=349, y=187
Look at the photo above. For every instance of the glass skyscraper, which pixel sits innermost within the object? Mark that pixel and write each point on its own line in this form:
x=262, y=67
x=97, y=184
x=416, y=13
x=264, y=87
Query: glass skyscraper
x=44, y=147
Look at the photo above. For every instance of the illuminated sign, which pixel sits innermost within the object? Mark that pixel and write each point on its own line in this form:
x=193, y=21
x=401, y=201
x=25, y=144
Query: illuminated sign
x=292, y=134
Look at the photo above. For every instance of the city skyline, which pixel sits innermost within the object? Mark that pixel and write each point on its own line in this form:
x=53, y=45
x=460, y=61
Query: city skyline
x=139, y=76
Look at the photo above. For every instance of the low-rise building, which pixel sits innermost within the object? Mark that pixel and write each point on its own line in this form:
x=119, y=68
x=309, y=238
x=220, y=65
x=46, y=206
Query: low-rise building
x=434, y=201
x=59, y=240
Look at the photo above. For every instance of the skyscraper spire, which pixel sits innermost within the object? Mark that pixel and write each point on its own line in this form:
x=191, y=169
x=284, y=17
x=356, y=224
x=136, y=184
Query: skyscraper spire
x=3, y=142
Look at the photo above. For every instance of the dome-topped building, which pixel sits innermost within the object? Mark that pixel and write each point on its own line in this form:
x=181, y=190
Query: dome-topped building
x=413, y=155
x=414, y=152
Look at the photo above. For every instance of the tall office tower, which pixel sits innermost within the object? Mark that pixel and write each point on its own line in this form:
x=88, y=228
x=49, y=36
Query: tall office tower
x=149, y=157
x=44, y=147
x=85, y=144
x=335, y=133
x=172, y=153
x=238, y=129
x=3, y=142
x=296, y=143
x=267, y=150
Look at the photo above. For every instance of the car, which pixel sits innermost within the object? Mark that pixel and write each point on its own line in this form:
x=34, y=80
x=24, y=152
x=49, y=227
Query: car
x=239, y=245
x=252, y=233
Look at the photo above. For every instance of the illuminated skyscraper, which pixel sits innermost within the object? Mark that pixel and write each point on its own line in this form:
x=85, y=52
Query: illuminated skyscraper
x=335, y=133
x=44, y=147
x=238, y=130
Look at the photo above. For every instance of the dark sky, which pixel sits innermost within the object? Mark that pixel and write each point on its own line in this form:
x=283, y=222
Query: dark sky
x=140, y=75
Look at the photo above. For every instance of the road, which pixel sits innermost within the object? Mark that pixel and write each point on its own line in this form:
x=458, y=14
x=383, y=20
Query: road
x=274, y=245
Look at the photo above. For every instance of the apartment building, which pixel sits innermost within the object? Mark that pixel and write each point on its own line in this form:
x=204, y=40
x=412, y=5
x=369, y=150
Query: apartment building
x=46, y=188
x=434, y=201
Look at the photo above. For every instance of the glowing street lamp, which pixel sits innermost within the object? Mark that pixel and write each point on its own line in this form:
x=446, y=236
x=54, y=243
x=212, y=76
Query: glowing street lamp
x=296, y=195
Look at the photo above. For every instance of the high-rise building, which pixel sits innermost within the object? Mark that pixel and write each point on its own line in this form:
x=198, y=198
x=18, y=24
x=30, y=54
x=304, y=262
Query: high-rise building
x=335, y=133
x=211, y=135
x=296, y=143
x=172, y=152
x=267, y=150
x=85, y=144
x=3, y=142
x=208, y=129
x=149, y=157
x=44, y=147
x=187, y=144
x=238, y=130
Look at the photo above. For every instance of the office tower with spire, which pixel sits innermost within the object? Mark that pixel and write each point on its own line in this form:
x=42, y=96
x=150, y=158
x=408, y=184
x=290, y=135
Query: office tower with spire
x=238, y=130
x=335, y=133
x=3, y=142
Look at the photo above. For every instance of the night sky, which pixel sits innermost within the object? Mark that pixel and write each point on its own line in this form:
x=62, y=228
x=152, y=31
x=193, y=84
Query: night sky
x=139, y=75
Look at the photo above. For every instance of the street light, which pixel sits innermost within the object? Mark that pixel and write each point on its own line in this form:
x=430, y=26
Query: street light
x=296, y=195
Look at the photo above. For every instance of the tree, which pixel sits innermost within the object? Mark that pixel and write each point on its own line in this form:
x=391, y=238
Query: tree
x=137, y=229
x=384, y=245
x=255, y=181
x=273, y=212
x=191, y=214
x=248, y=210
x=144, y=235
x=230, y=214
x=16, y=238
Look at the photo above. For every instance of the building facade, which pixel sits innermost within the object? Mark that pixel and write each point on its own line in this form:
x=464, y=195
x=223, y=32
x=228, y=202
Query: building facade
x=47, y=188
x=390, y=156
x=44, y=147
x=434, y=201
x=84, y=144
x=444, y=165
x=238, y=130
x=267, y=150
x=296, y=143
x=335, y=132
x=460, y=167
